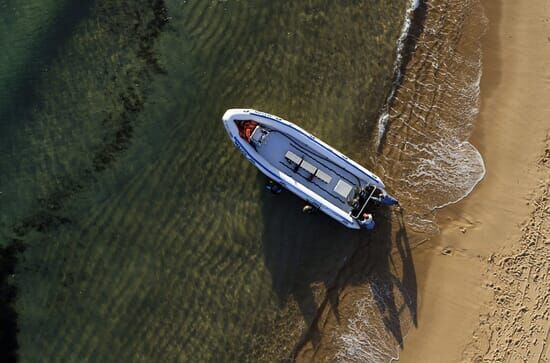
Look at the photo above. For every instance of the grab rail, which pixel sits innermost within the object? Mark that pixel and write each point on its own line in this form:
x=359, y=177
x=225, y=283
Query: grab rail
x=364, y=205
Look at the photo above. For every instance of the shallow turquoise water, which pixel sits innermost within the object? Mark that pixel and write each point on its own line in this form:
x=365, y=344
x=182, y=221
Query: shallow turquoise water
x=149, y=237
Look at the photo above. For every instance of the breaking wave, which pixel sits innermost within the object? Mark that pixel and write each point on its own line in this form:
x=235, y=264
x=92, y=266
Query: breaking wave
x=369, y=336
x=424, y=154
x=398, y=64
x=423, y=136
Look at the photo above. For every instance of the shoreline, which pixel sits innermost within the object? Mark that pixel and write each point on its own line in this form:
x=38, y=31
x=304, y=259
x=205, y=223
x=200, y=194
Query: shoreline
x=452, y=267
x=431, y=295
x=406, y=42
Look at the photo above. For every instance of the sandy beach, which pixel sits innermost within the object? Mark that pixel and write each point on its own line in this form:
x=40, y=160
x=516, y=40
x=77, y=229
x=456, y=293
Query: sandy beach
x=479, y=290
x=483, y=283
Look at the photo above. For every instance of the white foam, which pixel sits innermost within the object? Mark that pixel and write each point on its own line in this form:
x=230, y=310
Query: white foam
x=365, y=338
x=473, y=181
x=384, y=116
x=427, y=158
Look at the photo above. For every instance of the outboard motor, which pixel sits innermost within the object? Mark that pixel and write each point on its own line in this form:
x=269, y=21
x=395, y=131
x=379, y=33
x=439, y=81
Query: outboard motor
x=383, y=198
x=386, y=199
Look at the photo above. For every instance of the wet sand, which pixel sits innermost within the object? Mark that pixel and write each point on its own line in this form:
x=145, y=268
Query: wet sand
x=483, y=283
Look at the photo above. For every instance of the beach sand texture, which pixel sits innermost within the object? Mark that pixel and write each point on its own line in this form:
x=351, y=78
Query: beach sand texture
x=479, y=290
x=514, y=326
x=484, y=282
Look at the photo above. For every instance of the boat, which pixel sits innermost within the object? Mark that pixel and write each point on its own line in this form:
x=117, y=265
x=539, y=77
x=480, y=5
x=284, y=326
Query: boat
x=299, y=162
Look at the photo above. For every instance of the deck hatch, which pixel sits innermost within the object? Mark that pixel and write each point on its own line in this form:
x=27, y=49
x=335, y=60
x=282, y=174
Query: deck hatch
x=342, y=188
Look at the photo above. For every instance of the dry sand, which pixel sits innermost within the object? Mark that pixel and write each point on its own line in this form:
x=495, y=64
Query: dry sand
x=484, y=285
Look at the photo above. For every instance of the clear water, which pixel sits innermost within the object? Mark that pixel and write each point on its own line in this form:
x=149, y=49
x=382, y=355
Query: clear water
x=433, y=111
x=149, y=237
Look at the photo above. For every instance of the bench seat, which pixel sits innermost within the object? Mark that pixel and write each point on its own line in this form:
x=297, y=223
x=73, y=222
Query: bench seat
x=323, y=176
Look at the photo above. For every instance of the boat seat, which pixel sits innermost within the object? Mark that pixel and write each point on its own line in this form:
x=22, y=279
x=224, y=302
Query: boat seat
x=293, y=158
x=308, y=167
x=323, y=176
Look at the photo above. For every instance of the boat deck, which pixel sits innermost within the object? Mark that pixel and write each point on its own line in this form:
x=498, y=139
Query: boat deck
x=307, y=167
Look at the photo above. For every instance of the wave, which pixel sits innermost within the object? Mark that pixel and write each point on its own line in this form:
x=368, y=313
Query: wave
x=414, y=5
x=369, y=335
x=424, y=151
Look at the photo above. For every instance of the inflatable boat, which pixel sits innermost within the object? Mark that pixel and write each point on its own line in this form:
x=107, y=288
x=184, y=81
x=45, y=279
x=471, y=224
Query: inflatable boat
x=297, y=161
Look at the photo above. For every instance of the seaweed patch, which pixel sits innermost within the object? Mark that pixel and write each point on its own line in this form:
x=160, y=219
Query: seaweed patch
x=8, y=293
x=140, y=29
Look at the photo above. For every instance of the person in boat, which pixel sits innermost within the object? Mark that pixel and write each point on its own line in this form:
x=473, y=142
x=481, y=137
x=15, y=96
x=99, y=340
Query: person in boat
x=367, y=221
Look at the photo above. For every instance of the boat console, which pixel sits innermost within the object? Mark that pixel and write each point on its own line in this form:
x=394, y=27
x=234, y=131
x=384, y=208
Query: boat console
x=259, y=136
x=367, y=195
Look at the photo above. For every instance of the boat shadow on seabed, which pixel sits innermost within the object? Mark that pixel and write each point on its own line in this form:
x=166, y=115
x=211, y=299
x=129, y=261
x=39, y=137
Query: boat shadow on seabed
x=313, y=258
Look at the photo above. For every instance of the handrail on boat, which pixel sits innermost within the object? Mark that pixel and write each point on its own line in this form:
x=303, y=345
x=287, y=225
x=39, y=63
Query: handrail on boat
x=365, y=204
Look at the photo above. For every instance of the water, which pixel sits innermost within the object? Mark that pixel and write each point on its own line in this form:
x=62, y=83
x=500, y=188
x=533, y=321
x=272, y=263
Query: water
x=424, y=156
x=148, y=236
x=433, y=111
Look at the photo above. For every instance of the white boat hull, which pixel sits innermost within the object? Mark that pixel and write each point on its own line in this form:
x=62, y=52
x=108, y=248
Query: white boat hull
x=285, y=178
